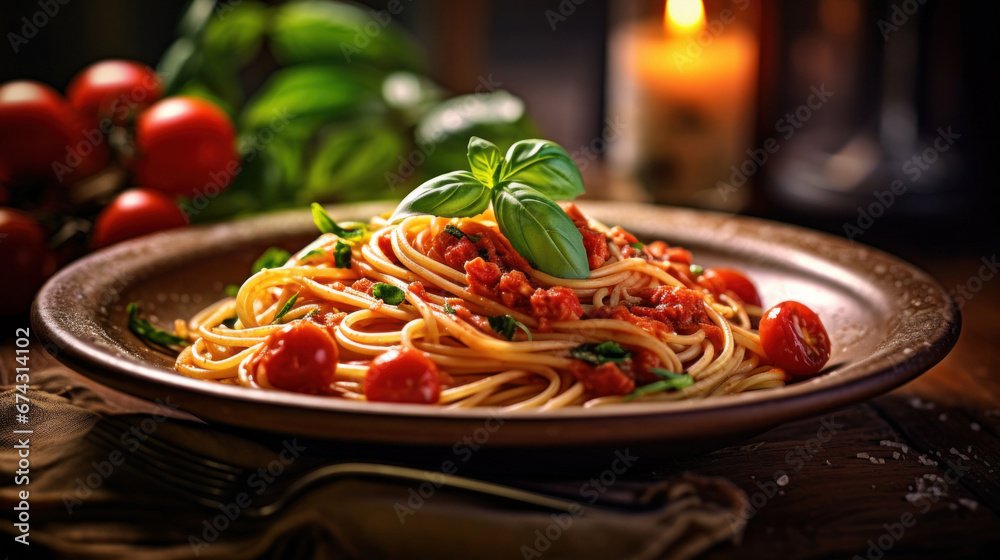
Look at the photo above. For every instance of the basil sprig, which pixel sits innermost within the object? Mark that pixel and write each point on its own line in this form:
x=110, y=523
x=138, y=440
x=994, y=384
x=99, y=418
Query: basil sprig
x=273, y=257
x=504, y=326
x=388, y=293
x=146, y=331
x=669, y=381
x=521, y=187
x=326, y=224
x=595, y=353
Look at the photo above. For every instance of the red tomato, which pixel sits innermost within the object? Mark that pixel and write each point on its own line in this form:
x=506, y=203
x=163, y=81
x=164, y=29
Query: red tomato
x=136, y=212
x=25, y=256
x=301, y=357
x=731, y=281
x=37, y=127
x=114, y=89
x=794, y=338
x=185, y=146
x=403, y=375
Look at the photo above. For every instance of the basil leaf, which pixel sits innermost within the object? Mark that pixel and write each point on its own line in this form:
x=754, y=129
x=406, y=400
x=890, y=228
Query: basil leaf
x=285, y=308
x=697, y=270
x=545, y=166
x=504, y=326
x=596, y=354
x=458, y=234
x=388, y=293
x=326, y=224
x=342, y=255
x=448, y=308
x=540, y=231
x=637, y=246
x=274, y=257
x=232, y=290
x=313, y=253
x=675, y=383
x=146, y=331
x=484, y=160
x=453, y=195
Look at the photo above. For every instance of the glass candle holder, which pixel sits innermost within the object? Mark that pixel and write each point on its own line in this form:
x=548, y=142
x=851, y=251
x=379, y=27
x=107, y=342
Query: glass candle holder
x=682, y=86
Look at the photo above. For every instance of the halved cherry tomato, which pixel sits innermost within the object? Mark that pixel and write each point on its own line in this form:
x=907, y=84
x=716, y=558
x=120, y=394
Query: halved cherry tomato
x=185, y=146
x=731, y=281
x=136, y=212
x=27, y=260
x=301, y=357
x=403, y=375
x=794, y=338
x=115, y=89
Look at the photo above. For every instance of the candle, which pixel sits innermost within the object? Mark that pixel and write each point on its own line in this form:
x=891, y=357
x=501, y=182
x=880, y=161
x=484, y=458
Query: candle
x=684, y=91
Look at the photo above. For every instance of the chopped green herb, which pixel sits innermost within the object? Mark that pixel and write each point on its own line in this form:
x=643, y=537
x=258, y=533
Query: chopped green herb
x=342, y=255
x=285, y=308
x=448, y=308
x=274, y=257
x=314, y=253
x=636, y=246
x=388, y=293
x=672, y=382
x=312, y=313
x=458, y=234
x=504, y=326
x=326, y=224
x=146, y=331
x=697, y=270
x=596, y=354
x=232, y=290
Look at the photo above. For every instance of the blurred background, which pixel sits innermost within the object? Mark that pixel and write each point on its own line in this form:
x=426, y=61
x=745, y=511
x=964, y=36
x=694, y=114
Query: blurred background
x=870, y=119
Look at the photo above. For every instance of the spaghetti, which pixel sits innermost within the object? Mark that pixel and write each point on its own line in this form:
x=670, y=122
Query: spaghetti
x=480, y=326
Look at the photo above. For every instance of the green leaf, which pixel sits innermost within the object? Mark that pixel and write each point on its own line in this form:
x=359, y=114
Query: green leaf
x=448, y=308
x=674, y=382
x=341, y=33
x=459, y=234
x=196, y=16
x=540, y=231
x=232, y=290
x=453, y=195
x=342, y=255
x=352, y=160
x=388, y=293
x=234, y=35
x=295, y=102
x=146, y=331
x=179, y=63
x=285, y=308
x=326, y=224
x=273, y=257
x=484, y=160
x=545, y=166
x=697, y=270
x=637, y=246
x=499, y=116
x=314, y=253
x=596, y=354
x=504, y=326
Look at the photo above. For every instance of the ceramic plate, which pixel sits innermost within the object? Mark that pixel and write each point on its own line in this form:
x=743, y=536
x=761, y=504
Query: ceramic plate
x=889, y=322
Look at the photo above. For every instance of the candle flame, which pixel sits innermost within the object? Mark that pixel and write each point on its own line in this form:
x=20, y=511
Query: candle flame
x=684, y=17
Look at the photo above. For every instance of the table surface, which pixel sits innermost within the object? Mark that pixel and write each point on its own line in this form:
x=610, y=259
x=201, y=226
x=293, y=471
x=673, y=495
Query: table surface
x=914, y=473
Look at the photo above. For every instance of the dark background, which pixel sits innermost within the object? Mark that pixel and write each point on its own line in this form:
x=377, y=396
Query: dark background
x=560, y=73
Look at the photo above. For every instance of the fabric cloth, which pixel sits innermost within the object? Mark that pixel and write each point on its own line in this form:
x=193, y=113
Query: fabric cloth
x=89, y=498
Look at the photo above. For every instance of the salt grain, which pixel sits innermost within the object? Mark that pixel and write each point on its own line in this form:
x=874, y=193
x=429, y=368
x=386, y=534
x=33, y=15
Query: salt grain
x=954, y=451
x=863, y=456
x=783, y=480
x=971, y=504
x=895, y=455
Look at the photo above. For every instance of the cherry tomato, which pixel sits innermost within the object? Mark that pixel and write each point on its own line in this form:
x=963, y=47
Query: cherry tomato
x=794, y=338
x=37, y=127
x=403, y=375
x=301, y=357
x=732, y=282
x=185, y=146
x=136, y=212
x=26, y=259
x=115, y=89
